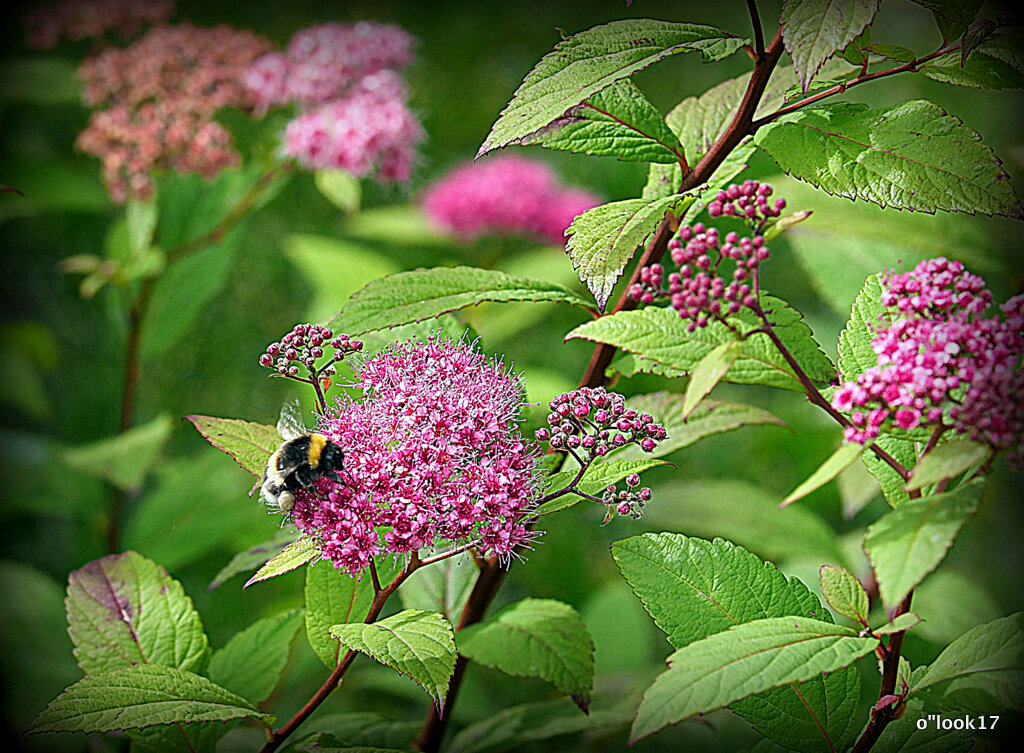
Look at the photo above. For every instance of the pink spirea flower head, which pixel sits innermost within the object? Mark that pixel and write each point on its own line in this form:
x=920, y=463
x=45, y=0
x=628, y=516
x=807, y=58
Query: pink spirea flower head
x=506, y=195
x=433, y=455
x=156, y=100
x=941, y=362
x=75, y=20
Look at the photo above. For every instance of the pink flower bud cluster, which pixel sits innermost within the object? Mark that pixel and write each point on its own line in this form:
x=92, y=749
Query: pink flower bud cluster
x=305, y=345
x=433, y=456
x=506, y=195
x=588, y=423
x=75, y=20
x=159, y=96
x=747, y=201
x=345, y=80
x=940, y=362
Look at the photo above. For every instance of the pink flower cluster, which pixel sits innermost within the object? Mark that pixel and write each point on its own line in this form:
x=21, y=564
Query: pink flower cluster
x=507, y=195
x=940, y=362
x=345, y=79
x=75, y=20
x=698, y=291
x=433, y=455
x=305, y=345
x=160, y=94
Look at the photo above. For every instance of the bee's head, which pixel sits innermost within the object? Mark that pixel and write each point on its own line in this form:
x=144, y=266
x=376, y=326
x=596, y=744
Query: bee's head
x=332, y=458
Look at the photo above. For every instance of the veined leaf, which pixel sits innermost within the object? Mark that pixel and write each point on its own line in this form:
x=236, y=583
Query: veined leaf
x=443, y=587
x=901, y=624
x=250, y=444
x=744, y=660
x=426, y=293
x=903, y=452
x=618, y=121
x=658, y=334
x=837, y=462
x=910, y=156
x=711, y=369
x=844, y=593
x=594, y=481
x=993, y=65
x=251, y=663
x=983, y=669
x=366, y=728
x=256, y=556
x=536, y=638
x=947, y=461
x=138, y=697
x=910, y=542
x=323, y=742
x=855, y=353
x=415, y=643
x=904, y=736
x=124, y=609
x=585, y=63
x=602, y=240
x=126, y=459
x=295, y=555
x=814, y=30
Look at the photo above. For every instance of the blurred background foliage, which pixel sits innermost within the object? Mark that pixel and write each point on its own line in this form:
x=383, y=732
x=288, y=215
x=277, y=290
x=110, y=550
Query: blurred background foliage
x=298, y=257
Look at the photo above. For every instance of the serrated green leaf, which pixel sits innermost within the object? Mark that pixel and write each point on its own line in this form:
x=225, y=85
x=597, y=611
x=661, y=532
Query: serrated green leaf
x=948, y=461
x=983, y=669
x=340, y=187
x=442, y=587
x=982, y=71
x=711, y=369
x=249, y=443
x=415, y=643
x=892, y=483
x=251, y=663
x=910, y=542
x=334, y=597
x=814, y=30
x=695, y=588
x=844, y=593
x=709, y=417
x=893, y=52
x=295, y=555
x=618, y=121
x=585, y=63
x=124, y=460
x=659, y=335
x=741, y=661
x=255, y=556
x=368, y=728
x=602, y=240
x=594, y=481
x=901, y=624
x=139, y=697
x=845, y=456
x=124, y=609
x=910, y=156
x=426, y=293
x=855, y=352
x=536, y=638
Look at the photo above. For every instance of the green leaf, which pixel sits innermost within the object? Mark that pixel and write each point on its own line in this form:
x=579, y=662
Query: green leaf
x=983, y=669
x=368, y=728
x=814, y=30
x=598, y=476
x=322, y=742
x=891, y=482
x=536, y=638
x=252, y=662
x=909, y=156
x=334, y=597
x=695, y=588
x=893, y=52
x=340, y=187
x=855, y=353
x=658, y=334
x=139, y=697
x=950, y=14
x=585, y=63
x=707, y=418
x=954, y=604
x=250, y=444
x=845, y=456
x=442, y=587
x=844, y=593
x=901, y=624
x=124, y=460
x=415, y=643
x=982, y=70
x=124, y=609
x=711, y=369
x=948, y=461
x=602, y=240
x=746, y=659
x=910, y=542
x=293, y=556
x=426, y=293
x=904, y=736
x=618, y=121
x=255, y=556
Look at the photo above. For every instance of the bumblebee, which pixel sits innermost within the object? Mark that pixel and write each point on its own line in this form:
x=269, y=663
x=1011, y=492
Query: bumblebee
x=298, y=463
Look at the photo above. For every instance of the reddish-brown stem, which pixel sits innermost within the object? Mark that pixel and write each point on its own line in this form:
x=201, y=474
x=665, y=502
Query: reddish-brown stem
x=755, y=21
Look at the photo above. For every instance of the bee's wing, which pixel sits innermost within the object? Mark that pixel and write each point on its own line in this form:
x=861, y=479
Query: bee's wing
x=290, y=425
